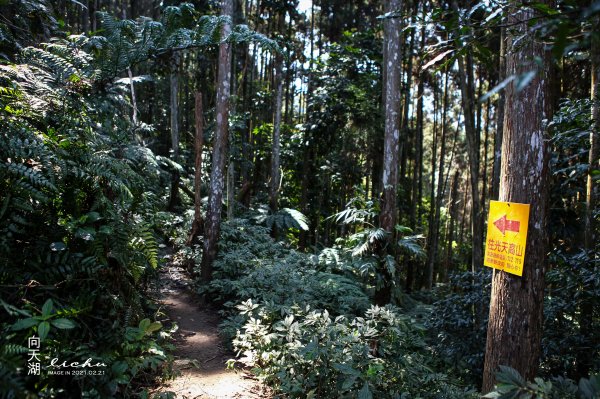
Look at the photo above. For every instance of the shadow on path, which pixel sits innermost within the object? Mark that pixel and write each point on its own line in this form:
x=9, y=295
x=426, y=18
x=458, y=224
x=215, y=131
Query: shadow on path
x=200, y=355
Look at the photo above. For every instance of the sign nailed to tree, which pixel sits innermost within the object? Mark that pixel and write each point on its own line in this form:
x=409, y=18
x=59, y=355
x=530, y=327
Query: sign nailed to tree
x=506, y=236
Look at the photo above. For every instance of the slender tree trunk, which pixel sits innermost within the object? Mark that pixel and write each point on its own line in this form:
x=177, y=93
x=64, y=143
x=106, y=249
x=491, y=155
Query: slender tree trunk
x=473, y=154
x=437, y=200
x=219, y=156
x=431, y=217
x=416, y=182
x=85, y=17
x=515, y=321
x=133, y=9
x=304, y=238
x=486, y=135
x=134, y=115
x=197, y=224
x=499, y=120
x=389, y=181
x=453, y=216
x=594, y=138
x=230, y=190
x=585, y=357
x=275, y=164
x=94, y=5
x=463, y=216
x=174, y=101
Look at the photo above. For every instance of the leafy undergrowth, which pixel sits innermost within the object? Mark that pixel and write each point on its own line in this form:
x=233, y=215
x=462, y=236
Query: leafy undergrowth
x=77, y=240
x=308, y=329
x=510, y=384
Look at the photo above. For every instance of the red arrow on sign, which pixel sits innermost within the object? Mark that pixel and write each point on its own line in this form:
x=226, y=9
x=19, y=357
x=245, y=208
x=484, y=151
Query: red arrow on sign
x=507, y=225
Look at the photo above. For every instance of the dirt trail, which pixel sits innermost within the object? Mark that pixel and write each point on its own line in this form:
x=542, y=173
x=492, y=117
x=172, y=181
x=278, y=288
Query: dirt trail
x=200, y=355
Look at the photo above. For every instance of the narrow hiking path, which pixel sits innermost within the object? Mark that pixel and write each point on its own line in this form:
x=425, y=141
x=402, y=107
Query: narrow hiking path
x=200, y=355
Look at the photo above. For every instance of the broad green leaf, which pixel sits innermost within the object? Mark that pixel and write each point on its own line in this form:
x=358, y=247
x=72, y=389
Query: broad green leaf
x=86, y=233
x=153, y=327
x=24, y=324
x=348, y=382
x=58, y=246
x=510, y=376
x=119, y=368
x=365, y=392
x=93, y=217
x=43, y=329
x=144, y=324
x=47, y=308
x=63, y=324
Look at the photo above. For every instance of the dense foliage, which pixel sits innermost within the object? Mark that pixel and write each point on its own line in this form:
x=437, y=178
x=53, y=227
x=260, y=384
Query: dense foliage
x=77, y=249
x=107, y=118
x=304, y=323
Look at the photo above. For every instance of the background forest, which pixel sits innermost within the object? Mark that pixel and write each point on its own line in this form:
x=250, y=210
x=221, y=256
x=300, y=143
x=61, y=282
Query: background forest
x=322, y=168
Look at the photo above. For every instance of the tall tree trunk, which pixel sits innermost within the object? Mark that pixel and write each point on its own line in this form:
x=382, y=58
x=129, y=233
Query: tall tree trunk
x=515, y=319
x=213, y=217
x=473, y=154
x=594, y=138
x=275, y=164
x=484, y=172
x=303, y=240
x=85, y=17
x=417, y=185
x=198, y=147
x=450, y=236
x=499, y=120
x=389, y=181
x=431, y=217
x=437, y=200
x=230, y=190
x=94, y=4
x=585, y=358
x=174, y=102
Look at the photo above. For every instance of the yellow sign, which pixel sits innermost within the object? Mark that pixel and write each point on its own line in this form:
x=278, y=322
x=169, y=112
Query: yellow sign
x=506, y=236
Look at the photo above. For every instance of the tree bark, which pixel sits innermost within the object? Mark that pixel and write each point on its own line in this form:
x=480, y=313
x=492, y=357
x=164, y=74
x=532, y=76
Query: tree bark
x=85, y=17
x=499, y=121
x=586, y=312
x=417, y=183
x=436, y=204
x=275, y=163
x=230, y=190
x=134, y=116
x=450, y=237
x=197, y=224
x=174, y=102
x=515, y=318
x=392, y=94
x=473, y=141
x=594, y=138
x=213, y=217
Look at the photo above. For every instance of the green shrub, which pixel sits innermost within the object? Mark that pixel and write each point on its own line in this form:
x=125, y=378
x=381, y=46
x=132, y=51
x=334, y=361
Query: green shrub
x=510, y=384
x=250, y=265
x=309, y=353
x=457, y=325
x=304, y=324
x=77, y=252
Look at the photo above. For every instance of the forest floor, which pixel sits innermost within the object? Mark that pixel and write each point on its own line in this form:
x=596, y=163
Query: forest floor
x=200, y=353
